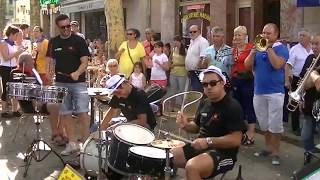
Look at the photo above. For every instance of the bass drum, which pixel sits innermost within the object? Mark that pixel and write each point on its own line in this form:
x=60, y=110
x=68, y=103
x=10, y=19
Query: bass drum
x=89, y=155
x=148, y=160
x=125, y=136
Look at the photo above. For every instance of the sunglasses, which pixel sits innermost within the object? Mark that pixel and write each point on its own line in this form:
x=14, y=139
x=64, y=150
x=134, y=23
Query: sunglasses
x=193, y=32
x=66, y=26
x=129, y=34
x=212, y=83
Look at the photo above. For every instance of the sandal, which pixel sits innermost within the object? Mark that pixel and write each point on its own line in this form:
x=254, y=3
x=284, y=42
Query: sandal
x=248, y=142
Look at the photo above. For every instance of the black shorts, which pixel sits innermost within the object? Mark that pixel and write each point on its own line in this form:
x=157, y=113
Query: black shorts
x=222, y=163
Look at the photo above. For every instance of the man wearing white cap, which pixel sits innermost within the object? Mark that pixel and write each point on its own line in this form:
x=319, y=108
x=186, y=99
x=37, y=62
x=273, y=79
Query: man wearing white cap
x=219, y=121
x=131, y=101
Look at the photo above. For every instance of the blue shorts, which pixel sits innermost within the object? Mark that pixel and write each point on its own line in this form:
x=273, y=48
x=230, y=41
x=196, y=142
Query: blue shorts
x=77, y=99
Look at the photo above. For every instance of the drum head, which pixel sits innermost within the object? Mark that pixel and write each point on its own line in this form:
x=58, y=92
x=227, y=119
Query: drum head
x=134, y=134
x=150, y=152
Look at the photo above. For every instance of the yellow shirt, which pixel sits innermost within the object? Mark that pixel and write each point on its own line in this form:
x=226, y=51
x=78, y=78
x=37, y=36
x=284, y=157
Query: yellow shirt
x=125, y=64
x=42, y=48
x=178, y=63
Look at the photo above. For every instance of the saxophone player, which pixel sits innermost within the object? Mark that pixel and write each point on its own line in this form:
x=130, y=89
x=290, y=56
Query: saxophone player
x=312, y=88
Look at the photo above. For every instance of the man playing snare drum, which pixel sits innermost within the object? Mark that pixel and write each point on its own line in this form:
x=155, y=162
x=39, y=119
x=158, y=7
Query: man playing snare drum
x=26, y=66
x=219, y=121
x=131, y=101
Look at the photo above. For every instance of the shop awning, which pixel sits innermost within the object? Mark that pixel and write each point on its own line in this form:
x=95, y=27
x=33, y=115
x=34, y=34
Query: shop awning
x=83, y=6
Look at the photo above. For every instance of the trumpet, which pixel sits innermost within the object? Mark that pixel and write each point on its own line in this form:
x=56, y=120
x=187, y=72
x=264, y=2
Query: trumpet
x=260, y=43
x=297, y=96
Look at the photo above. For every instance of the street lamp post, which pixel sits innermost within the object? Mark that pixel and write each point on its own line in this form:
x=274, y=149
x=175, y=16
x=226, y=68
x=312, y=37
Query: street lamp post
x=50, y=7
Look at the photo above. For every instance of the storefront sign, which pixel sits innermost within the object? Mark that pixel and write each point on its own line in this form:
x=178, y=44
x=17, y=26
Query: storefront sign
x=83, y=6
x=308, y=3
x=46, y=2
x=195, y=15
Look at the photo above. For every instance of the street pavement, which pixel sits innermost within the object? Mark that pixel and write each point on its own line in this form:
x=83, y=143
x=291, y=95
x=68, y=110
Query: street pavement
x=12, y=165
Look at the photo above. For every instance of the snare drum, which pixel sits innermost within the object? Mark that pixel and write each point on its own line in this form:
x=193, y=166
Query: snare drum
x=52, y=94
x=89, y=154
x=22, y=91
x=148, y=160
x=125, y=136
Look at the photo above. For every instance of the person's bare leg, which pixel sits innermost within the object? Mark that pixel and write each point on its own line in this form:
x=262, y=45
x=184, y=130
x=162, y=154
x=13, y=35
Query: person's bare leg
x=199, y=167
x=275, y=143
x=268, y=142
x=15, y=106
x=251, y=130
x=69, y=123
x=179, y=160
x=53, y=110
x=84, y=120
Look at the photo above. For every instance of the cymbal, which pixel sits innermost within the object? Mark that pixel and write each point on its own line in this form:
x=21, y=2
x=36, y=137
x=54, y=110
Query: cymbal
x=167, y=144
x=98, y=92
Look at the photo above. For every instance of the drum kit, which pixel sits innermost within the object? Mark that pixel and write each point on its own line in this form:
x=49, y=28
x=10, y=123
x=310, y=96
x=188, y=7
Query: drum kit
x=25, y=90
x=126, y=150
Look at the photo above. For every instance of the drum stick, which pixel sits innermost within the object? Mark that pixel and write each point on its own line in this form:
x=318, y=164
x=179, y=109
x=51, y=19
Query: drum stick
x=176, y=137
x=64, y=74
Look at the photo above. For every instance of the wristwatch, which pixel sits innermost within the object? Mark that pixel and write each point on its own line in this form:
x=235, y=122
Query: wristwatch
x=209, y=141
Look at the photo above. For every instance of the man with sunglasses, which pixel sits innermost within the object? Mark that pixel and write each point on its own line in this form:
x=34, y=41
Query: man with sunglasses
x=219, y=122
x=70, y=54
x=196, y=51
x=131, y=101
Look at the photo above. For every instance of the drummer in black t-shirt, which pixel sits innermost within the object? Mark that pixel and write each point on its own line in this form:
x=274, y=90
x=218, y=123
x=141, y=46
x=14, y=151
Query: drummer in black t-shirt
x=312, y=87
x=131, y=101
x=219, y=120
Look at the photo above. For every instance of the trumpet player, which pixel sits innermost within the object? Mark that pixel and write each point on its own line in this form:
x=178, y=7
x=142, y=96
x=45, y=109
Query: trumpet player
x=268, y=66
x=312, y=88
x=297, y=58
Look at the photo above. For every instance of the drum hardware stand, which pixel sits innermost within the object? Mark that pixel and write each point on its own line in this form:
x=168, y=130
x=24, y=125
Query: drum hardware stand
x=168, y=171
x=33, y=151
x=100, y=144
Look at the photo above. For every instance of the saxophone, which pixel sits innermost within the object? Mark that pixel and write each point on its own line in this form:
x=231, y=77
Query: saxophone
x=297, y=96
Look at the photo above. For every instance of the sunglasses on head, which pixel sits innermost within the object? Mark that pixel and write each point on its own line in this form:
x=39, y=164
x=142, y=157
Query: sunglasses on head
x=66, y=26
x=193, y=32
x=212, y=83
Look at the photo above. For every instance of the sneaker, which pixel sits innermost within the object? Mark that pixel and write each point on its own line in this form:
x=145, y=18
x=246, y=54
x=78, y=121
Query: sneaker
x=71, y=147
x=275, y=160
x=263, y=153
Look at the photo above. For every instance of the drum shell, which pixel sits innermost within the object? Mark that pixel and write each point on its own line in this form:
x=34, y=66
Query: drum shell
x=52, y=94
x=146, y=165
x=89, y=154
x=22, y=91
x=119, y=147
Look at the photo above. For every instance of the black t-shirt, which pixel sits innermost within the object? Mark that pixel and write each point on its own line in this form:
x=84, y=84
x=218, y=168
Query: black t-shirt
x=219, y=119
x=311, y=94
x=135, y=104
x=67, y=54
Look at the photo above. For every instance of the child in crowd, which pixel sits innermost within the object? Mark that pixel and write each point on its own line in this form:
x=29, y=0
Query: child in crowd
x=112, y=69
x=160, y=66
x=137, y=78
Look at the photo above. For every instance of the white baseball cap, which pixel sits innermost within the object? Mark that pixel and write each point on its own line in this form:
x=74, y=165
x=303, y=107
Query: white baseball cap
x=114, y=82
x=213, y=69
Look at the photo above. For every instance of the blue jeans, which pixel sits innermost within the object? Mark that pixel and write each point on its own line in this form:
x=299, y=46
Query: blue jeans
x=308, y=128
x=243, y=92
x=77, y=99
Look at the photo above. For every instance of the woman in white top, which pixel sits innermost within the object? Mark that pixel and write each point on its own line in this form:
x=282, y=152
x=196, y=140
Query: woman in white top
x=9, y=54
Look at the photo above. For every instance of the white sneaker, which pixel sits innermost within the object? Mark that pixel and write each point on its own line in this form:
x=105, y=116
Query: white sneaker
x=71, y=147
